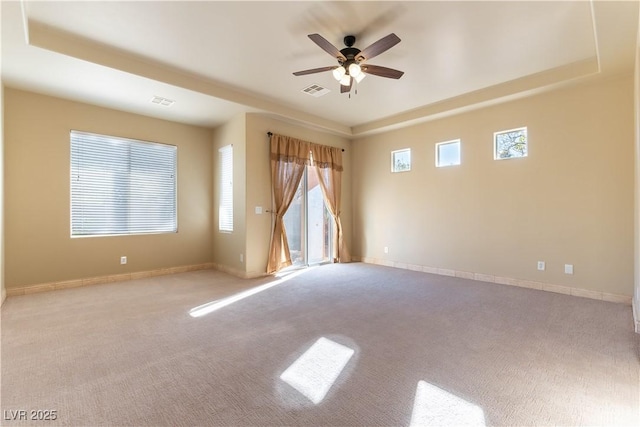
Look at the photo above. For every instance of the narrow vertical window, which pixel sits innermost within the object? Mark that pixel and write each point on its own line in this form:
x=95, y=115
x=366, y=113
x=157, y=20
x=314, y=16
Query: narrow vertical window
x=225, y=212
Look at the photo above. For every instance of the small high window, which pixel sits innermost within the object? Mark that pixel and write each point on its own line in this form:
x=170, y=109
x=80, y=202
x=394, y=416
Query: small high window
x=401, y=160
x=448, y=153
x=509, y=144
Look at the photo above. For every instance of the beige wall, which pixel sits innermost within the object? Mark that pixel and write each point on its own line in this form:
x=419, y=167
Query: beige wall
x=259, y=183
x=227, y=247
x=38, y=246
x=570, y=201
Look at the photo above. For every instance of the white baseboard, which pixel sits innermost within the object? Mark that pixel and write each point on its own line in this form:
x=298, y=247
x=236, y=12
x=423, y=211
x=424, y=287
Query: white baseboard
x=53, y=286
x=542, y=286
x=238, y=273
x=66, y=284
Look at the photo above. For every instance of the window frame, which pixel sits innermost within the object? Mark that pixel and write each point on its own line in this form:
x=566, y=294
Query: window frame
x=502, y=132
x=437, y=154
x=394, y=153
x=225, y=228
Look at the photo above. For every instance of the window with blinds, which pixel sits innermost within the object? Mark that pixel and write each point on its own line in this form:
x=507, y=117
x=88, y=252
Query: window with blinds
x=225, y=212
x=122, y=186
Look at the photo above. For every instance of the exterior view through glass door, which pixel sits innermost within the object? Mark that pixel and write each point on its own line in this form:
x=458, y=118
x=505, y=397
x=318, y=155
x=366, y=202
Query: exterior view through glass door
x=308, y=223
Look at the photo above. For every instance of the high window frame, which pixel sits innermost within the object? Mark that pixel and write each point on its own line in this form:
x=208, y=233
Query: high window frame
x=448, y=153
x=511, y=144
x=401, y=160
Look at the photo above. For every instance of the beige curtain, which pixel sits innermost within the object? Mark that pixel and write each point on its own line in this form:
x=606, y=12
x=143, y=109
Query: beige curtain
x=289, y=157
x=328, y=165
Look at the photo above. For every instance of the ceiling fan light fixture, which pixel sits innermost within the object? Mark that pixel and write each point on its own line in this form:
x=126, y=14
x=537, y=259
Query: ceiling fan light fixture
x=339, y=72
x=354, y=70
x=349, y=72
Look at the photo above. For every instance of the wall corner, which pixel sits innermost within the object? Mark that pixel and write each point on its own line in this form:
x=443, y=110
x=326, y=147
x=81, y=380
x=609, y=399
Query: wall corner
x=635, y=306
x=636, y=191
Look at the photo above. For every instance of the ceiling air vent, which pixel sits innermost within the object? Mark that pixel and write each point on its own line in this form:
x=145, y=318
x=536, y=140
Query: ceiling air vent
x=316, y=90
x=165, y=102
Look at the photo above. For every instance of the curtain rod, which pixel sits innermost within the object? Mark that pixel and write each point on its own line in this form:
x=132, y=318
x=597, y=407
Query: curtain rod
x=270, y=134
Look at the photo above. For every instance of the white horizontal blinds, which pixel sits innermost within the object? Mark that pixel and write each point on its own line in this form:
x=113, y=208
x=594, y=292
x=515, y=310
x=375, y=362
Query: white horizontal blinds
x=121, y=186
x=225, y=212
x=152, y=188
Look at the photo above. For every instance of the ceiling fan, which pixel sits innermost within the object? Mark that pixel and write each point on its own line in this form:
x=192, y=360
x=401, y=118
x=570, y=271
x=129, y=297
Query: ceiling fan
x=352, y=62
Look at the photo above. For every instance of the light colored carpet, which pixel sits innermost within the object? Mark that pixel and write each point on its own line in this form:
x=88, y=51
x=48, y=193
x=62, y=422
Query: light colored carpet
x=438, y=348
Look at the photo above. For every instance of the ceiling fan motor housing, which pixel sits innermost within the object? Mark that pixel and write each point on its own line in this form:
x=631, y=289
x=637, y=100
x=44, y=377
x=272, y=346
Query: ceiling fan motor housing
x=350, y=52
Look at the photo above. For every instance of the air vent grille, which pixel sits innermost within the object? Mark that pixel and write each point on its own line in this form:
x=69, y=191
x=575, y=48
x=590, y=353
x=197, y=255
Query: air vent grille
x=316, y=90
x=165, y=102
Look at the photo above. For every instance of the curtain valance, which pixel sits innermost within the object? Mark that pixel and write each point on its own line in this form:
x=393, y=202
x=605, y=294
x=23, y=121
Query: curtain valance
x=292, y=150
x=325, y=157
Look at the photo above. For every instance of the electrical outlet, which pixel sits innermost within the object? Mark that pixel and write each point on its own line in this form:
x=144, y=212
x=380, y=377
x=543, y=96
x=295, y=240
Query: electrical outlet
x=541, y=265
x=568, y=269
x=123, y=260
x=241, y=257
x=386, y=249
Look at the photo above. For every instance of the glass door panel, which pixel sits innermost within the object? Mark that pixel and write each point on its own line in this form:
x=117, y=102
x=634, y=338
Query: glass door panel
x=308, y=223
x=318, y=223
x=294, y=225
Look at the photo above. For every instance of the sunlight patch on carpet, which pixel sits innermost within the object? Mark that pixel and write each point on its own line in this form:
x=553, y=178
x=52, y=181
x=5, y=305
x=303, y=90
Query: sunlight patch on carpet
x=212, y=306
x=313, y=373
x=434, y=406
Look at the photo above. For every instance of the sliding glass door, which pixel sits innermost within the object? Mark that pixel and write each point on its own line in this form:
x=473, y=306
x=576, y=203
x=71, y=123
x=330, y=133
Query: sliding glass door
x=308, y=223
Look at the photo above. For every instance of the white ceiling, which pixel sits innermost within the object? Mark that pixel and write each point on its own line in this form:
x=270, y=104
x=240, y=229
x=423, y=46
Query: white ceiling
x=216, y=59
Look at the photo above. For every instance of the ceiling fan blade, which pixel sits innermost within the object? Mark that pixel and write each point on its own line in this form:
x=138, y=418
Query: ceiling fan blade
x=377, y=70
x=344, y=89
x=327, y=46
x=380, y=46
x=314, y=70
